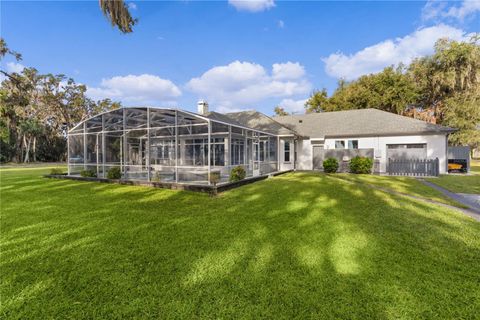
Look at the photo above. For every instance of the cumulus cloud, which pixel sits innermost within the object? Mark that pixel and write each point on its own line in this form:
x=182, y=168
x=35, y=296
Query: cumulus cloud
x=392, y=51
x=293, y=106
x=288, y=70
x=252, y=5
x=240, y=83
x=281, y=24
x=441, y=10
x=15, y=67
x=132, y=6
x=132, y=89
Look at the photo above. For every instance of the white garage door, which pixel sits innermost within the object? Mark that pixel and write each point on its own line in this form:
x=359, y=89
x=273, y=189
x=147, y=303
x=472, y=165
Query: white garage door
x=407, y=151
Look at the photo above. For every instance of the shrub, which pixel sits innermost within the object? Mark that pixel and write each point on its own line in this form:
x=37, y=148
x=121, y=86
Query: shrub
x=114, y=173
x=89, y=173
x=237, y=174
x=214, y=177
x=157, y=177
x=361, y=165
x=330, y=165
x=56, y=171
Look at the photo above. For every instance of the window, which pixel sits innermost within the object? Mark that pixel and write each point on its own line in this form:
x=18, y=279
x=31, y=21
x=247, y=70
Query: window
x=352, y=144
x=262, y=150
x=407, y=146
x=237, y=151
x=286, y=156
x=339, y=144
x=217, y=152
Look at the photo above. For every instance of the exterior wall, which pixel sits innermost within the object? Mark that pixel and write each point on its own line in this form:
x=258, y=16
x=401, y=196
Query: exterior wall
x=304, y=155
x=436, y=148
x=286, y=165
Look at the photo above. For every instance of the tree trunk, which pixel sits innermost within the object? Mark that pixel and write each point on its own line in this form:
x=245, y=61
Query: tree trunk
x=27, y=149
x=34, y=149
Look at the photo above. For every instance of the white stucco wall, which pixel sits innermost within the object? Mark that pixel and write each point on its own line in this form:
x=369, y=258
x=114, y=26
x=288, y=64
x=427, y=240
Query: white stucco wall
x=304, y=155
x=436, y=148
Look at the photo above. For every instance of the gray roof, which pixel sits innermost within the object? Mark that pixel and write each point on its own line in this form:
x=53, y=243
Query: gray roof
x=361, y=122
x=259, y=121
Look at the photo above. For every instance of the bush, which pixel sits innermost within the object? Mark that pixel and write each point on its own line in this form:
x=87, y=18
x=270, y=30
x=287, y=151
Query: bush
x=237, y=174
x=56, y=171
x=157, y=177
x=330, y=165
x=88, y=173
x=361, y=165
x=114, y=173
x=214, y=177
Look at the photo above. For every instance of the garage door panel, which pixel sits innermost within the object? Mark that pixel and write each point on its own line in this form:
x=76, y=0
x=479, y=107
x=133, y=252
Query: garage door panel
x=407, y=151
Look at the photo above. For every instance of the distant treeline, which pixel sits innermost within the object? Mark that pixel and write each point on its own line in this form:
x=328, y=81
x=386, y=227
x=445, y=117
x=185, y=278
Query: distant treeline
x=37, y=110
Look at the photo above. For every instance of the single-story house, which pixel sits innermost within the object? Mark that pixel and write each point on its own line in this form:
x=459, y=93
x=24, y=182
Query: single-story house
x=149, y=143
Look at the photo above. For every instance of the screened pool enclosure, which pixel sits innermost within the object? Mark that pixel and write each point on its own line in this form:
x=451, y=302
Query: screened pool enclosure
x=168, y=145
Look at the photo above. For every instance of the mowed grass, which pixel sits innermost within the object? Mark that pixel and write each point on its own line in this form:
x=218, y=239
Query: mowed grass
x=461, y=183
x=299, y=245
x=406, y=185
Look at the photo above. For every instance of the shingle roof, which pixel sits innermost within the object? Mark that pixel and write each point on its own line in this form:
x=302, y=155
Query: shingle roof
x=259, y=121
x=362, y=122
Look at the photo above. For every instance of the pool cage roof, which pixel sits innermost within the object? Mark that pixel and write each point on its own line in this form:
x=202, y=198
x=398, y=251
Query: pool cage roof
x=149, y=143
x=162, y=117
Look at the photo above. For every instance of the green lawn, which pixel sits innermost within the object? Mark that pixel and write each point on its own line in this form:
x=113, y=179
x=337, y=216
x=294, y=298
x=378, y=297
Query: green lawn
x=461, y=183
x=407, y=185
x=295, y=246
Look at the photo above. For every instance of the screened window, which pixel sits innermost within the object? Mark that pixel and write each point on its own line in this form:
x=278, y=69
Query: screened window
x=238, y=150
x=262, y=150
x=287, y=151
x=339, y=144
x=217, y=152
x=352, y=144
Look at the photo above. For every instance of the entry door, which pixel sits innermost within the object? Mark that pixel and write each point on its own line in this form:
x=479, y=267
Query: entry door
x=256, y=165
x=318, y=155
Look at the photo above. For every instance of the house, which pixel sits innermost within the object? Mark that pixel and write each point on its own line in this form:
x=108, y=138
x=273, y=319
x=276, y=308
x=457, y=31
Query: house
x=386, y=134
x=172, y=145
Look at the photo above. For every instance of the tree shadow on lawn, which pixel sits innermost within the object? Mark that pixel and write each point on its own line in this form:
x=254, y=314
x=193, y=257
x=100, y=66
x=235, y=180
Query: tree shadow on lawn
x=294, y=246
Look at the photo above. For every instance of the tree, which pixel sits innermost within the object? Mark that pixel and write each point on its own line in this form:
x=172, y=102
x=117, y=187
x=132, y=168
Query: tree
x=453, y=69
x=35, y=108
x=4, y=50
x=317, y=102
x=389, y=90
x=463, y=112
x=117, y=13
x=280, y=111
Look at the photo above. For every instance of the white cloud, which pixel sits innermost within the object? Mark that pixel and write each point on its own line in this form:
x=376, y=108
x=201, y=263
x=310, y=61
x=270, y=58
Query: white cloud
x=441, y=10
x=252, y=5
x=293, y=106
x=240, y=83
x=392, y=51
x=132, y=89
x=15, y=67
x=281, y=24
x=288, y=70
x=132, y=6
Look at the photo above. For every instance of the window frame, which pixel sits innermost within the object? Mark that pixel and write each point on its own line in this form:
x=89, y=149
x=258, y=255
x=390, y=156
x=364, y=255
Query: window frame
x=342, y=143
x=287, y=151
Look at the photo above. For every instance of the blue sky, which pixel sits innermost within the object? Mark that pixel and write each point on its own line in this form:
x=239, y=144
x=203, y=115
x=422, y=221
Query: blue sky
x=237, y=55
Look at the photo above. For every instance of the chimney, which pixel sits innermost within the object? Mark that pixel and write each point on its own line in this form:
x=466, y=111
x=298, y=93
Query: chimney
x=202, y=107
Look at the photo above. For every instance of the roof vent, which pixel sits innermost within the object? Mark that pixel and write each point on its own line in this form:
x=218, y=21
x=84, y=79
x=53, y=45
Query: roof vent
x=202, y=107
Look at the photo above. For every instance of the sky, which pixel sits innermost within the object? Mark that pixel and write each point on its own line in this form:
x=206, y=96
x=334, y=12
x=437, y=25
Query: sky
x=237, y=55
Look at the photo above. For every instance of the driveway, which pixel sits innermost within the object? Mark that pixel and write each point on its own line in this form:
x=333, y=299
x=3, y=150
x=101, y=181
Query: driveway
x=472, y=201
